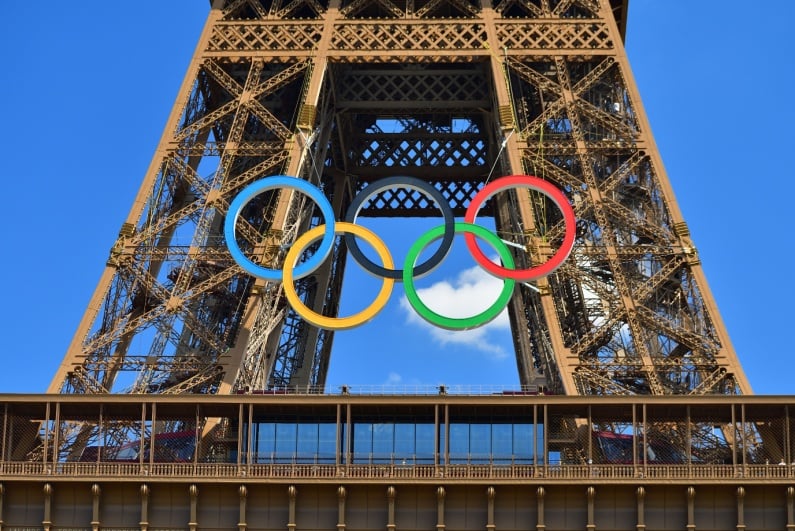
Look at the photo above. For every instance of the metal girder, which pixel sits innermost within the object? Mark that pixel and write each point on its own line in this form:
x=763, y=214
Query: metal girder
x=451, y=91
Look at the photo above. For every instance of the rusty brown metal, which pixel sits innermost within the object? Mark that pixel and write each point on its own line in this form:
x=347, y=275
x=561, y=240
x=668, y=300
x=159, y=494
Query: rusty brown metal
x=298, y=88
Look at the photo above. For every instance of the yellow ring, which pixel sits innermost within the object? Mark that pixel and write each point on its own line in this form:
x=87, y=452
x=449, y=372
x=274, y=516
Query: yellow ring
x=336, y=323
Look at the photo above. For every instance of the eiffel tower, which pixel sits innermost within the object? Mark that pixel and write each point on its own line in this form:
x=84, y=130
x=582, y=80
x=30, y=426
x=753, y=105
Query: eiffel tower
x=193, y=395
x=342, y=94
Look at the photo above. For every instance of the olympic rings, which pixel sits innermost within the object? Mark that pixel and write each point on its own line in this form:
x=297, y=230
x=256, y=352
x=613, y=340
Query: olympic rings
x=446, y=232
x=534, y=183
x=269, y=183
x=336, y=323
x=414, y=184
x=451, y=323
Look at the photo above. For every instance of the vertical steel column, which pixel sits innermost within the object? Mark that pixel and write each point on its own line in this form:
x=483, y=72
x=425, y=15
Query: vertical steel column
x=436, y=438
x=242, y=492
x=95, y=493
x=144, y=523
x=490, y=495
x=640, y=495
x=348, y=434
x=691, y=508
x=790, y=508
x=5, y=442
x=292, y=493
x=46, y=436
x=341, y=494
x=338, y=438
x=46, y=522
x=250, y=437
x=440, y=494
x=540, y=493
x=740, y=509
x=390, y=511
x=635, y=439
x=193, y=491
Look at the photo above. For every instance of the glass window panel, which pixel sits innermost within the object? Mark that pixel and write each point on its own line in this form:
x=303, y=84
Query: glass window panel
x=459, y=443
x=523, y=443
x=383, y=442
x=362, y=442
x=480, y=442
x=327, y=442
x=424, y=449
x=264, y=442
x=285, y=441
x=346, y=445
x=502, y=443
x=405, y=443
x=307, y=442
x=443, y=446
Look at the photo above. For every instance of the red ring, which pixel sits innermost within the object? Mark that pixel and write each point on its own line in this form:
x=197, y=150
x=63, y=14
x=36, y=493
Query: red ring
x=539, y=185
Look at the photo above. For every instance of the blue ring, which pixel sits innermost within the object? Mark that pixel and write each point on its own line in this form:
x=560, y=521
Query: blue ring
x=263, y=185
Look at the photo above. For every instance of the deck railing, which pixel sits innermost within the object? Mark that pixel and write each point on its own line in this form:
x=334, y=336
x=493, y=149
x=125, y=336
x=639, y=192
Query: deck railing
x=413, y=473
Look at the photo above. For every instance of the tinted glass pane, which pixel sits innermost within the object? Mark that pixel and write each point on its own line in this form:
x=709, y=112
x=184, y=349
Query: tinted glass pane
x=523, y=443
x=327, y=442
x=285, y=441
x=362, y=442
x=265, y=442
x=480, y=442
x=405, y=443
x=502, y=443
x=307, y=442
x=424, y=446
x=459, y=443
x=383, y=442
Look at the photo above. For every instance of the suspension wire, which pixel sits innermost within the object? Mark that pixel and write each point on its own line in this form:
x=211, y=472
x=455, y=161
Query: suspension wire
x=507, y=81
x=307, y=144
x=497, y=158
x=539, y=161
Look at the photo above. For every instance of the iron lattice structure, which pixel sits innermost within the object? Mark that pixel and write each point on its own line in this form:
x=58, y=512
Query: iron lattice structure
x=343, y=92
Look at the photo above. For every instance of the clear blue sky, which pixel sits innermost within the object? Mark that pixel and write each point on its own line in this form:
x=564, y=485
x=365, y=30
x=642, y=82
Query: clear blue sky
x=87, y=86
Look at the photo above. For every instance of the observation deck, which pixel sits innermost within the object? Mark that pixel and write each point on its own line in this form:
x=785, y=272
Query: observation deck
x=573, y=461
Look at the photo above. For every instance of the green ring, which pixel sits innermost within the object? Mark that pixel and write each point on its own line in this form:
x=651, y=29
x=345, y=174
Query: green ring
x=450, y=323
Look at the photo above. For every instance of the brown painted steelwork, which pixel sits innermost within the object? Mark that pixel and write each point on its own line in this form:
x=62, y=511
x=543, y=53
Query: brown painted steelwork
x=342, y=92
x=750, y=485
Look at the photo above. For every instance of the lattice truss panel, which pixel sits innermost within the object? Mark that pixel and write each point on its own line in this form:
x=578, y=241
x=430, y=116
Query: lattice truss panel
x=342, y=93
x=628, y=304
x=175, y=301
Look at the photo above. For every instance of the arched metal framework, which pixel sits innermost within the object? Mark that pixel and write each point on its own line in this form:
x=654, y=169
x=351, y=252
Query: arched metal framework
x=343, y=92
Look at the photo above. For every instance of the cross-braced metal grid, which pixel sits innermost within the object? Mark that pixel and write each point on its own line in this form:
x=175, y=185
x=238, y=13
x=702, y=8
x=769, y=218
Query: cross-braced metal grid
x=457, y=92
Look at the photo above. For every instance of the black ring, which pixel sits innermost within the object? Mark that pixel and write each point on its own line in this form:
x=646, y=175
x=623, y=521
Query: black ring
x=401, y=182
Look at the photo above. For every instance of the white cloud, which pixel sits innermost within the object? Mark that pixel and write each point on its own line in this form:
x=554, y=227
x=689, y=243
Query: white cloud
x=468, y=294
x=393, y=378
